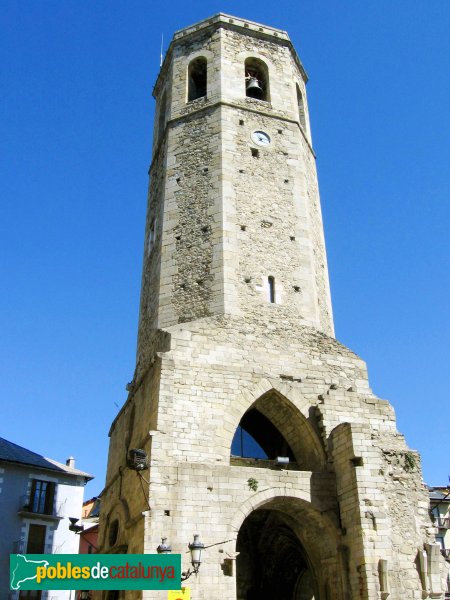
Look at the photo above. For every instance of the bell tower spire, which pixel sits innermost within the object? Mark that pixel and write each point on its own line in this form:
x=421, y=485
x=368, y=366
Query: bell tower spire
x=234, y=223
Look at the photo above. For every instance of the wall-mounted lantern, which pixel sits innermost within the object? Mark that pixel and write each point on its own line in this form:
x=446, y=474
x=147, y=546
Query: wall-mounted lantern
x=164, y=547
x=74, y=527
x=196, y=548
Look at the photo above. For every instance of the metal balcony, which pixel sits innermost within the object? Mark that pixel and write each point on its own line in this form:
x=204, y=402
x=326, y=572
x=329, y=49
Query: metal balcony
x=25, y=509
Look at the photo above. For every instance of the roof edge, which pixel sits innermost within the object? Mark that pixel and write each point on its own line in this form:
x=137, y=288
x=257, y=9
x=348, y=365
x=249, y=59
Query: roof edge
x=231, y=22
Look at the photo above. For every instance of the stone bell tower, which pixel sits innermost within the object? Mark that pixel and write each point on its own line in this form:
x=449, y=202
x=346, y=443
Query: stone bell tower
x=261, y=431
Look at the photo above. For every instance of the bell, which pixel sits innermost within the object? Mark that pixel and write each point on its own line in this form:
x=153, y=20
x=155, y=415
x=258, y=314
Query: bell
x=253, y=89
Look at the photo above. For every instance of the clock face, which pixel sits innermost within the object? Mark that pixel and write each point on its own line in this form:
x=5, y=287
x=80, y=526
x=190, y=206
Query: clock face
x=261, y=138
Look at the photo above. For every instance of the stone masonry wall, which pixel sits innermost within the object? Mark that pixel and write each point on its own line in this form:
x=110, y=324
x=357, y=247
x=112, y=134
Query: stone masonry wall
x=151, y=269
x=211, y=346
x=276, y=221
x=212, y=183
x=364, y=501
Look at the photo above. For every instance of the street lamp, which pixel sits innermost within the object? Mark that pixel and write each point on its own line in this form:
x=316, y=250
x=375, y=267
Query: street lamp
x=196, y=548
x=164, y=547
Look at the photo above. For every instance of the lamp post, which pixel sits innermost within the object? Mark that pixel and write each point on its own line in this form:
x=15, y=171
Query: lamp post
x=196, y=548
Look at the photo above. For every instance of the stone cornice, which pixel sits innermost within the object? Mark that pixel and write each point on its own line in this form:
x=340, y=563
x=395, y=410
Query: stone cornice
x=243, y=26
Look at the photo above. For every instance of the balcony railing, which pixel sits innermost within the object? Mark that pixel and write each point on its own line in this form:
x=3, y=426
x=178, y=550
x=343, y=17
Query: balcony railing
x=25, y=506
x=262, y=463
x=445, y=553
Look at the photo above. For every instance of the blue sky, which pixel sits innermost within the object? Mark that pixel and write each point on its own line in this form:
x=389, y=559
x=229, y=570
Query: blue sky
x=75, y=134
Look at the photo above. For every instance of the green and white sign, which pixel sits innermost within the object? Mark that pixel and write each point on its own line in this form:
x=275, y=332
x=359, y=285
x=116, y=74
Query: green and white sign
x=95, y=571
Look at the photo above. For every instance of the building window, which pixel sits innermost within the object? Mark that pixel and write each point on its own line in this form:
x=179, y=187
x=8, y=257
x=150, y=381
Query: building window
x=257, y=437
x=36, y=539
x=257, y=79
x=42, y=496
x=301, y=109
x=113, y=533
x=271, y=289
x=197, y=78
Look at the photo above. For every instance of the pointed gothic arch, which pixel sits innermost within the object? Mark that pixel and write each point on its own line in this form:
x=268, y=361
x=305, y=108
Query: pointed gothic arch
x=280, y=429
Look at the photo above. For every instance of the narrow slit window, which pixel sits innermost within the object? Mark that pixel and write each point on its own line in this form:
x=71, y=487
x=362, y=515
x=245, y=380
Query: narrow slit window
x=151, y=237
x=197, y=78
x=162, y=115
x=271, y=284
x=301, y=109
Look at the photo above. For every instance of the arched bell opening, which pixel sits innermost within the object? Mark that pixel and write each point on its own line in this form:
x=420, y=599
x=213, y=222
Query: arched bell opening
x=272, y=562
x=273, y=431
x=257, y=79
x=197, y=78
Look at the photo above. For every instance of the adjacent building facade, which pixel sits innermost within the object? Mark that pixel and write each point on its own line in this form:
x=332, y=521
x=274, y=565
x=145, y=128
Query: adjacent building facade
x=261, y=431
x=440, y=514
x=37, y=497
x=89, y=521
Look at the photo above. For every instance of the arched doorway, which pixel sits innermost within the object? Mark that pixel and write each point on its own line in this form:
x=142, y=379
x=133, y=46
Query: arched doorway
x=272, y=562
x=288, y=549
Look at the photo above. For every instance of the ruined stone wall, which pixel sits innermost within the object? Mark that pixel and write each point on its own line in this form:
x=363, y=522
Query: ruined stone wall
x=216, y=369
x=125, y=497
x=367, y=499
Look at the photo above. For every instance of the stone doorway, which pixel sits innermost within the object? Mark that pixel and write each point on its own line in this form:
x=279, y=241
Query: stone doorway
x=272, y=562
